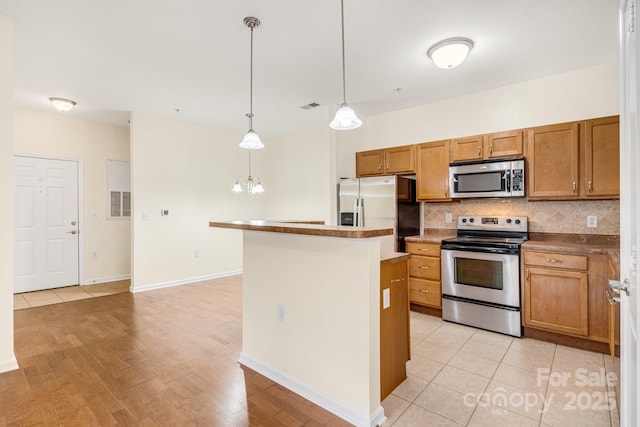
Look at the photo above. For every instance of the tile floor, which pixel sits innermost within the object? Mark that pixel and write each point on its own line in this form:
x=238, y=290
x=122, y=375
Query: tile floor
x=460, y=375
x=69, y=293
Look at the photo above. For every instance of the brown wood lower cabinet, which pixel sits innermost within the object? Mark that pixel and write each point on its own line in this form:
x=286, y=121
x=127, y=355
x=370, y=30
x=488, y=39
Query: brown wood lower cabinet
x=424, y=275
x=564, y=295
x=394, y=326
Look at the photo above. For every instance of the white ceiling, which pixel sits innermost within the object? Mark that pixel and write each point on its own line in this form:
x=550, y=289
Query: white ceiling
x=156, y=56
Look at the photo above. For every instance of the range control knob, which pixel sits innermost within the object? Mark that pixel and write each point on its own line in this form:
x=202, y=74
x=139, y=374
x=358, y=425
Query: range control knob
x=508, y=220
x=517, y=221
x=470, y=219
x=464, y=219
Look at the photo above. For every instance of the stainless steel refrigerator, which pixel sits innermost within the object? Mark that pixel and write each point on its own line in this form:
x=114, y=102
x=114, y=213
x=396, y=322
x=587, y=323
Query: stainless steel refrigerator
x=385, y=201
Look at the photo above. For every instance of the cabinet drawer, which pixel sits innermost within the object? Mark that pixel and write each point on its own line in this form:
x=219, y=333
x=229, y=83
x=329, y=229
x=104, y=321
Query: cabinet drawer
x=425, y=292
x=428, y=249
x=550, y=259
x=424, y=267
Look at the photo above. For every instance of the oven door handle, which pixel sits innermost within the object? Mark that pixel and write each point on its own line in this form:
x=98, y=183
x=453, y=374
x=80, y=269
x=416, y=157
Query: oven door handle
x=455, y=247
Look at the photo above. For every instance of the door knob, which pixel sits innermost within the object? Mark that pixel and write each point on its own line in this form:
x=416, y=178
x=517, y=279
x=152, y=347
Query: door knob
x=72, y=232
x=615, y=286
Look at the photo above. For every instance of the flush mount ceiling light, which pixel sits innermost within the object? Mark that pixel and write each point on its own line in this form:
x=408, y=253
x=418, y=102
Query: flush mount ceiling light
x=345, y=117
x=450, y=53
x=253, y=183
x=62, y=104
x=251, y=140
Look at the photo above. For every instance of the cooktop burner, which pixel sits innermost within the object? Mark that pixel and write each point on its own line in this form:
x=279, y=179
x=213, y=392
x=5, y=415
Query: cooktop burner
x=494, y=231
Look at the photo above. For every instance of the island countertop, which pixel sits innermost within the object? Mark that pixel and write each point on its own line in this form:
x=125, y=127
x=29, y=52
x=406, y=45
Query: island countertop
x=305, y=229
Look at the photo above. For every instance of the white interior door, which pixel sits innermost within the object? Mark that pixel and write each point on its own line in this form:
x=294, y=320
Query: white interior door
x=630, y=211
x=46, y=229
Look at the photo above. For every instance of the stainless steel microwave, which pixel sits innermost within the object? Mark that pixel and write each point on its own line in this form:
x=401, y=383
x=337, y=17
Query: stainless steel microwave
x=487, y=178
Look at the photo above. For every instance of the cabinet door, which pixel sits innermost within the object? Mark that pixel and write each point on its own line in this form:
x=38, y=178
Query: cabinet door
x=469, y=148
x=394, y=327
x=556, y=300
x=432, y=174
x=552, y=160
x=602, y=158
x=400, y=160
x=369, y=163
x=503, y=144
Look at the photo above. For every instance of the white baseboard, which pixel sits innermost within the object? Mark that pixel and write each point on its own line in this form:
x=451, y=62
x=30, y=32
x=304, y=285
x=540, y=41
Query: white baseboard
x=9, y=365
x=106, y=279
x=347, y=414
x=187, y=281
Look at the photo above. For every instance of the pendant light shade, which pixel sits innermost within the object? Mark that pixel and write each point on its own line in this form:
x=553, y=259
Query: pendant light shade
x=345, y=118
x=450, y=53
x=253, y=184
x=251, y=140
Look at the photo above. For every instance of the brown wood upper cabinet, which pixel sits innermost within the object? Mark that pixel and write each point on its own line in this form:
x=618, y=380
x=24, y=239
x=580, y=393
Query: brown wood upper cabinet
x=493, y=145
x=386, y=161
x=575, y=160
x=601, y=158
x=432, y=171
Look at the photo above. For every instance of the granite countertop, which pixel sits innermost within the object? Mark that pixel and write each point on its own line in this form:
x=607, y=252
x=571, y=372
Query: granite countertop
x=305, y=229
x=579, y=244
x=393, y=257
x=433, y=235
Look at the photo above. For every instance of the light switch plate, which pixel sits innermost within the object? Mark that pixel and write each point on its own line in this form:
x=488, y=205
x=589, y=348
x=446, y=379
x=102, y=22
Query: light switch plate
x=386, y=298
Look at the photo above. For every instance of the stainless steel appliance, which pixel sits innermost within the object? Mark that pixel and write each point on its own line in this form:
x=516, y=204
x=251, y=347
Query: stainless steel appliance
x=487, y=178
x=385, y=201
x=481, y=273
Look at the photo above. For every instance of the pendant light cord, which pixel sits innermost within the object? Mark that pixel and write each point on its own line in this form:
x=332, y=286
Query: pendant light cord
x=251, y=89
x=344, y=85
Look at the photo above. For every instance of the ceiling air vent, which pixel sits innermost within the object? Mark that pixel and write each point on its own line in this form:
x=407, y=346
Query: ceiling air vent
x=310, y=106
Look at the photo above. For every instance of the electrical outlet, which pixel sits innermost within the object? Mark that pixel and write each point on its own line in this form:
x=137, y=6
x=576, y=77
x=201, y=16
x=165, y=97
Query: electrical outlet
x=145, y=216
x=94, y=254
x=196, y=253
x=592, y=221
x=448, y=218
x=282, y=313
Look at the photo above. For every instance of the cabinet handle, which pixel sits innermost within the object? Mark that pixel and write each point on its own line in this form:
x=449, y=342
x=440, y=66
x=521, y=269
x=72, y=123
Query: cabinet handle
x=574, y=187
x=527, y=274
x=397, y=280
x=589, y=185
x=491, y=149
x=423, y=267
x=479, y=150
x=379, y=166
x=552, y=260
x=388, y=165
x=423, y=249
x=424, y=291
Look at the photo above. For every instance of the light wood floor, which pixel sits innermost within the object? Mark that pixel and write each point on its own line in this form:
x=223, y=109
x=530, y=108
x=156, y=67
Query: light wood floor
x=166, y=357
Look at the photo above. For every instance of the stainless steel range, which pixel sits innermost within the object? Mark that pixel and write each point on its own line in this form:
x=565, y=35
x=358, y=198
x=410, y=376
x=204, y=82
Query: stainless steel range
x=481, y=273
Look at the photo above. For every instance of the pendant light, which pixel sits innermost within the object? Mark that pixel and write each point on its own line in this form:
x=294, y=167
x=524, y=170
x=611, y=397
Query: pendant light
x=345, y=117
x=253, y=184
x=251, y=140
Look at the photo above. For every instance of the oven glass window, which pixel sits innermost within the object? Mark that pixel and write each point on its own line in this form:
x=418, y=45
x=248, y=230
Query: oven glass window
x=480, y=182
x=478, y=272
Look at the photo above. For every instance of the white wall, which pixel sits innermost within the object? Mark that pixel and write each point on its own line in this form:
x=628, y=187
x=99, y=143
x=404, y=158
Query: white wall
x=7, y=357
x=60, y=135
x=189, y=170
x=299, y=177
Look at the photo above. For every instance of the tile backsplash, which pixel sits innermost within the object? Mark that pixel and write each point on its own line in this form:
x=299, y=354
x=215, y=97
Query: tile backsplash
x=544, y=217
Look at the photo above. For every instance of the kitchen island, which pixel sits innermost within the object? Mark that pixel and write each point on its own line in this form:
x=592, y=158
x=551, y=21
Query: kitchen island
x=311, y=312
